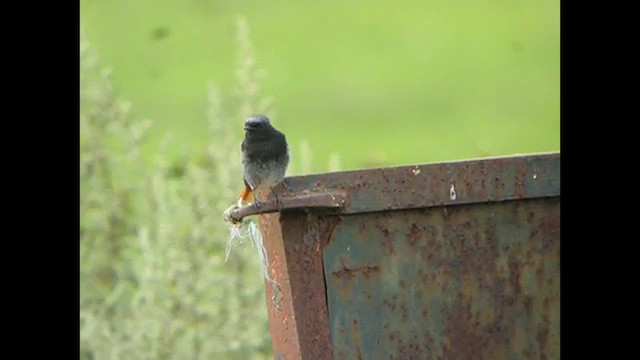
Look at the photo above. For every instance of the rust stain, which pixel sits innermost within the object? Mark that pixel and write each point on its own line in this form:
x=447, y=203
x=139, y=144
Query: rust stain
x=349, y=273
x=386, y=241
x=514, y=275
x=355, y=333
x=414, y=234
x=551, y=228
x=520, y=181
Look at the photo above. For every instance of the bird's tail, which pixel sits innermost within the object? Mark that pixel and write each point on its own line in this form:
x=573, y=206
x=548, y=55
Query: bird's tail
x=246, y=195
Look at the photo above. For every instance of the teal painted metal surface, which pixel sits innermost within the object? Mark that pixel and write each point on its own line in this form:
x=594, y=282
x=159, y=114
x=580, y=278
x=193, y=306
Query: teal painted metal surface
x=455, y=260
x=472, y=282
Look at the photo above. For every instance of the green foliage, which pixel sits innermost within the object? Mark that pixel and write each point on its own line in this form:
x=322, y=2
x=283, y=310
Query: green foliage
x=153, y=281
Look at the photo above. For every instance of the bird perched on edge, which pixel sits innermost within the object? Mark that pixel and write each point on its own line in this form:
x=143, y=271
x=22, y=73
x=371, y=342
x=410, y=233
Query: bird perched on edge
x=265, y=156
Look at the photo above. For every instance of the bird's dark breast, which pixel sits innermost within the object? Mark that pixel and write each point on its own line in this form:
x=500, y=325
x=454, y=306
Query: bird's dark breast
x=260, y=148
x=265, y=159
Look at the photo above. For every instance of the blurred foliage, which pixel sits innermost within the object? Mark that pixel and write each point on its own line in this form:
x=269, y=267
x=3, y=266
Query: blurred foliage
x=153, y=281
x=378, y=82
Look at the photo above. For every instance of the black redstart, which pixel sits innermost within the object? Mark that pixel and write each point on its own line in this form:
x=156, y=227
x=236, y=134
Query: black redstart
x=265, y=156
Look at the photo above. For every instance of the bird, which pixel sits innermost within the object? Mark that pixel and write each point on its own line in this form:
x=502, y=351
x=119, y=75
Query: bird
x=265, y=157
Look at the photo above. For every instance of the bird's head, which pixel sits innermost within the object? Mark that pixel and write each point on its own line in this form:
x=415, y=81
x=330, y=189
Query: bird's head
x=256, y=123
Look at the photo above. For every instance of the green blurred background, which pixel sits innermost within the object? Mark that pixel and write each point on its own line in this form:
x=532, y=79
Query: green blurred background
x=370, y=83
x=377, y=82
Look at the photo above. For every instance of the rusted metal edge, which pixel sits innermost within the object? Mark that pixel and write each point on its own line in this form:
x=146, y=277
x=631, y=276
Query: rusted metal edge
x=439, y=184
x=297, y=299
x=417, y=186
x=325, y=199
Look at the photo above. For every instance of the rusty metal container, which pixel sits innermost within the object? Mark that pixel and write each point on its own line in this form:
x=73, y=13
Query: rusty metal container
x=457, y=260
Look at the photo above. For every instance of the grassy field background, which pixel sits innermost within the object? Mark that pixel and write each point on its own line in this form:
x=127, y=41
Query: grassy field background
x=352, y=84
x=379, y=83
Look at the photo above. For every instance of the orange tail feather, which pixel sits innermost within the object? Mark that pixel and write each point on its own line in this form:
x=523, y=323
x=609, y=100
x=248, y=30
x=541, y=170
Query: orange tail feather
x=246, y=195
